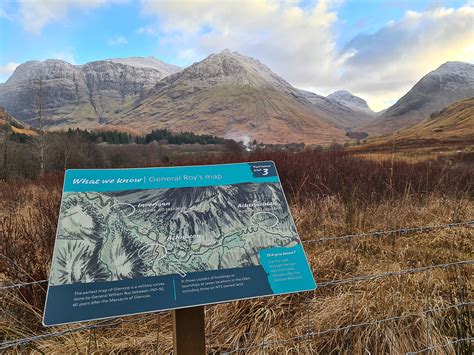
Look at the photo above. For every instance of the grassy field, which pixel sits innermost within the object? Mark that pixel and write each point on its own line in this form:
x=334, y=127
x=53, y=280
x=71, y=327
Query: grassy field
x=330, y=194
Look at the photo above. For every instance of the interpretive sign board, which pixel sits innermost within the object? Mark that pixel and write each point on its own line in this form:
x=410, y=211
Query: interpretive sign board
x=141, y=240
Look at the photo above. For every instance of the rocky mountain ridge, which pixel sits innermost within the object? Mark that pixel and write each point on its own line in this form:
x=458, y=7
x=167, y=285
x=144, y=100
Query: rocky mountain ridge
x=75, y=95
x=345, y=111
x=449, y=83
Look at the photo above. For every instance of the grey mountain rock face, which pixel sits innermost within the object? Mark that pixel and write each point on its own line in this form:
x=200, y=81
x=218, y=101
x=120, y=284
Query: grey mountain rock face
x=451, y=82
x=76, y=95
x=341, y=107
x=6, y=117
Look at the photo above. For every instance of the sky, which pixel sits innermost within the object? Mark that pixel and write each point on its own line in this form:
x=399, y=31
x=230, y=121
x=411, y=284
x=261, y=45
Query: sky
x=376, y=49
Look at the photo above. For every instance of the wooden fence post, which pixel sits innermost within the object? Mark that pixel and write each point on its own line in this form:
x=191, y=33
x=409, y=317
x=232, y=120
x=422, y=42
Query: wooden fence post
x=188, y=331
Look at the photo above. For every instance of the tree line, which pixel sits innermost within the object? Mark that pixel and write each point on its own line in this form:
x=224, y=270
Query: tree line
x=27, y=156
x=159, y=135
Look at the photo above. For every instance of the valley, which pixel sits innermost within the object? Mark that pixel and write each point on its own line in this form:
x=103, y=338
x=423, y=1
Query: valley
x=227, y=95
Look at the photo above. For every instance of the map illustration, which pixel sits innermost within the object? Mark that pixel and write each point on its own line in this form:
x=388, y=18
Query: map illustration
x=117, y=235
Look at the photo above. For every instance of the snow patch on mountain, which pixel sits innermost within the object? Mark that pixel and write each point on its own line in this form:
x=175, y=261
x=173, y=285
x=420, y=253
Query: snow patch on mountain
x=147, y=62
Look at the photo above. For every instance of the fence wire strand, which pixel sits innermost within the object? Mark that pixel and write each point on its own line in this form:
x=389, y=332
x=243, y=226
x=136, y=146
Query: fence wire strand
x=356, y=325
x=401, y=231
x=434, y=347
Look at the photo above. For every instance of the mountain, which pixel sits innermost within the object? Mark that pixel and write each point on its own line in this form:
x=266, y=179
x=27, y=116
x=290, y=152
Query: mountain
x=230, y=95
x=451, y=82
x=341, y=107
x=453, y=124
x=347, y=99
x=78, y=95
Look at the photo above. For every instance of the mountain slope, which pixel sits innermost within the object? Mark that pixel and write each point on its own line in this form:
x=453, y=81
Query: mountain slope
x=451, y=82
x=76, y=95
x=454, y=121
x=453, y=124
x=341, y=107
x=6, y=118
x=230, y=95
x=9, y=124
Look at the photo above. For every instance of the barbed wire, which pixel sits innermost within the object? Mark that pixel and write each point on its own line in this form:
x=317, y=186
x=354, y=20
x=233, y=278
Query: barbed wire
x=394, y=273
x=107, y=323
x=351, y=326
x=406, y=230
x=360, y=278
x=102, y=324
x=22, y=284
x=441, y=345
x=402, y=231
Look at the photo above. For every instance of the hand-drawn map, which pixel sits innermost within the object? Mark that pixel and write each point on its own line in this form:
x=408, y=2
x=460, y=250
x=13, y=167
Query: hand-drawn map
x=106, y=236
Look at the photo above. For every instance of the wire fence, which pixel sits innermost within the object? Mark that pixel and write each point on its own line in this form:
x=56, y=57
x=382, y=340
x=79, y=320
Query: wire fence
x=309, y=333
x=399, y=231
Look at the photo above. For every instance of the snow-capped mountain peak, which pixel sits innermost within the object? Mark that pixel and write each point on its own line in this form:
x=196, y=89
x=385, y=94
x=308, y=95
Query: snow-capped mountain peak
x=232, y=68
x=348, y=99
x=456, y=68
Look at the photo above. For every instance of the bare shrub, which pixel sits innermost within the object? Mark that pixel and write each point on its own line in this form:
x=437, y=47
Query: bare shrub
x=331, y=193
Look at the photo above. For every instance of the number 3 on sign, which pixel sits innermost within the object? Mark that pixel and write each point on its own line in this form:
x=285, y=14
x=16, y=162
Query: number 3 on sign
x=265, y=172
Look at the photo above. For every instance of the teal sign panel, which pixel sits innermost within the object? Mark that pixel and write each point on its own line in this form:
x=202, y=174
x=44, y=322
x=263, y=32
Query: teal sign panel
x=132, y=241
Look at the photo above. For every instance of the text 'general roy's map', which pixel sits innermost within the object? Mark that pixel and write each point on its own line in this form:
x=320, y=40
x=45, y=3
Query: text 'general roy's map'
x=140, y=240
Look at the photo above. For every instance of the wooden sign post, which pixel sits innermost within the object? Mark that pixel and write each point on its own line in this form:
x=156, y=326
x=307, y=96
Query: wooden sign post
x=188, y=331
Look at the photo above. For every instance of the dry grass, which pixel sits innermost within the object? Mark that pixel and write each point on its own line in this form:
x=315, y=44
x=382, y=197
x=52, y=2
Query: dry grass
x=452, y=125
x=275, y=319
x=270, y=325
x=448, y=154
x=25, y=131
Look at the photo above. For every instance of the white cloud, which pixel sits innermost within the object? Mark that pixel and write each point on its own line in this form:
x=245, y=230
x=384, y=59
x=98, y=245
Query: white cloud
x=389, y=62
x=187, y=55
x=35, y=14
x=8, y=68
x=280, y=33
x=118, y=41
x=146, y=30
x=299, y=44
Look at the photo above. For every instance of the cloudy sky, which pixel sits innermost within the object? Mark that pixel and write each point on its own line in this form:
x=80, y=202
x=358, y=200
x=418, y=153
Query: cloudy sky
x=376, y=49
